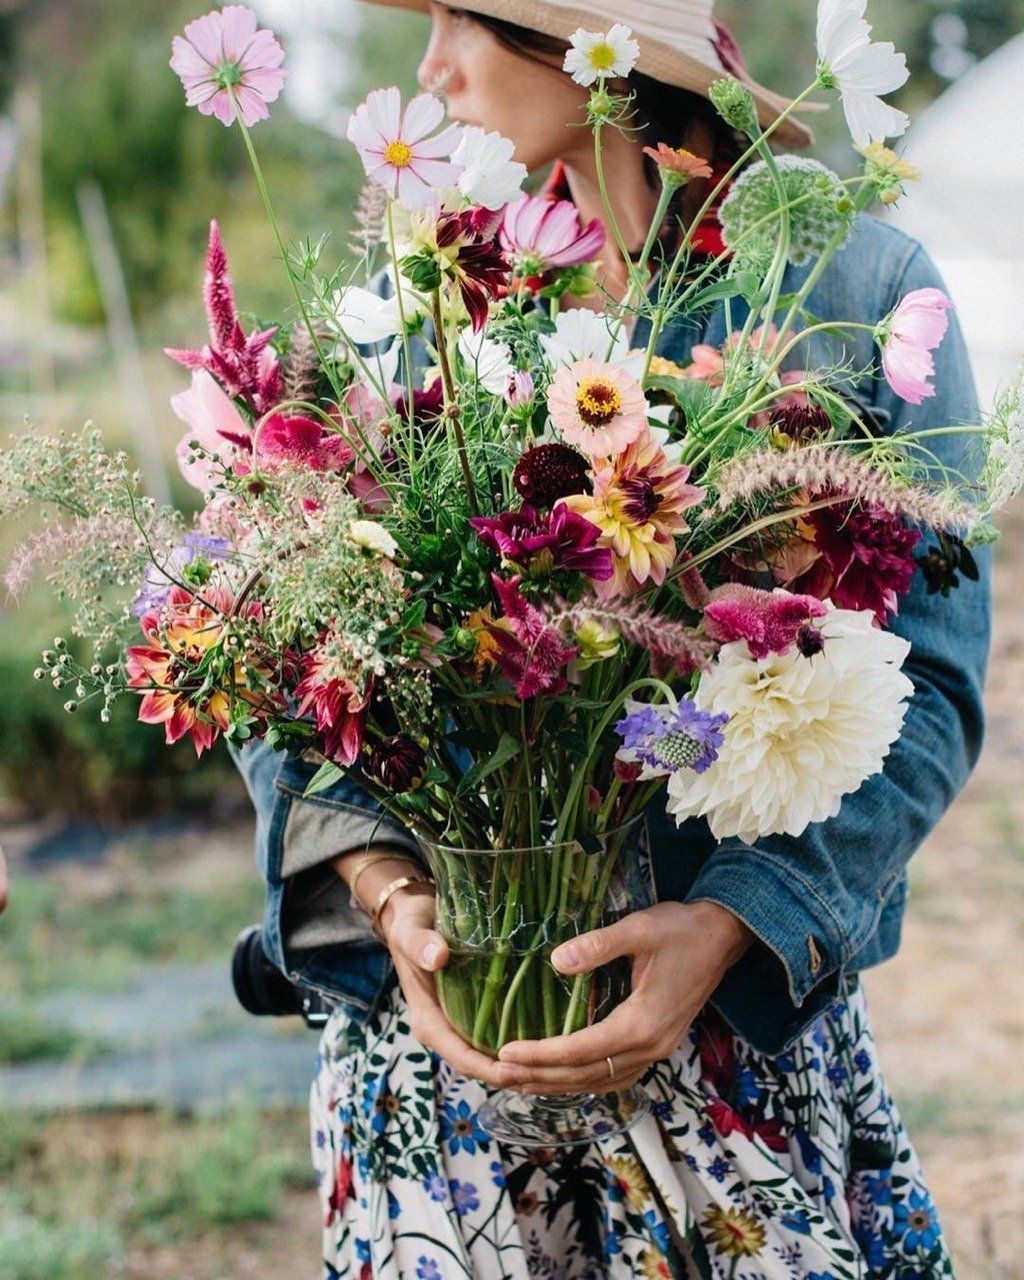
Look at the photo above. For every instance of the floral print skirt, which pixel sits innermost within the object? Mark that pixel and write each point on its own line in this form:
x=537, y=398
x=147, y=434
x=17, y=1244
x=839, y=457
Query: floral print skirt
x=749, y=1167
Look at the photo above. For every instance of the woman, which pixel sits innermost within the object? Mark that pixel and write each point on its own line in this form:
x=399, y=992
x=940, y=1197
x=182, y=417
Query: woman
x=773, y=1148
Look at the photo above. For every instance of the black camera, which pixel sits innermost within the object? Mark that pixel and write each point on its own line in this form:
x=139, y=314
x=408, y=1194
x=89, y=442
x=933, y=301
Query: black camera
x=264, y=991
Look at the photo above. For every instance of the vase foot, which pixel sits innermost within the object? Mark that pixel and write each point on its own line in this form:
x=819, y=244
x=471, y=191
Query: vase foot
x=564, y=1120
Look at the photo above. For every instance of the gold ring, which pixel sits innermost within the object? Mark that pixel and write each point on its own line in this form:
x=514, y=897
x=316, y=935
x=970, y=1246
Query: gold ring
x=611, y=1068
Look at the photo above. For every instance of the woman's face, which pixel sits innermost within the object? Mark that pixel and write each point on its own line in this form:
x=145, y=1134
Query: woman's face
x=529, y=102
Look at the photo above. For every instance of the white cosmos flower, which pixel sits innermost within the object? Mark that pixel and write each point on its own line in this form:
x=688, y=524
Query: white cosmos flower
x=594, y=55
x=802, y=732
x=363, y=317
x=491, y=361
x=581, y=334
x=373, y=537
x=861, y=71
x=490, y=176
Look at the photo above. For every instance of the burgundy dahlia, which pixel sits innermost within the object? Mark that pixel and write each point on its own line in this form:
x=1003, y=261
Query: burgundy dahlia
x=399, y=763
x=869, y=553
x=549, y=472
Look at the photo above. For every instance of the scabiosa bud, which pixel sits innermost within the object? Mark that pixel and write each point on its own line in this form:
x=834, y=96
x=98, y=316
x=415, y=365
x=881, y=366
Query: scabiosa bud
x=735, y=104
x=399, y=763
x=809, y=640
x=549, y=472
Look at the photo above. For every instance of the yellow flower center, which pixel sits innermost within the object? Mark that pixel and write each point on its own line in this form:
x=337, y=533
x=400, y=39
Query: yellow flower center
x=602, y=56
x=398, y=154
x=598, y=400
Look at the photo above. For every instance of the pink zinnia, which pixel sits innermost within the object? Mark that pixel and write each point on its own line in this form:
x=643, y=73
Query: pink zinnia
x=908, y=337
x=769, y=621
x=597, y=407
x=397, y=151
x=223, y=60
x=541, y=235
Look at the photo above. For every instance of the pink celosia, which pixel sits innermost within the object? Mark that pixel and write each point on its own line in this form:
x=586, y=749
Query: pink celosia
x=220, y=430
x=244, y=365
x=530, y=652
x=339, y=708
x=301, y=442
x=397, y=151
x=908, y=337
x=223, y=60
x=769, y=621
x=596, y=406
x=542, y=235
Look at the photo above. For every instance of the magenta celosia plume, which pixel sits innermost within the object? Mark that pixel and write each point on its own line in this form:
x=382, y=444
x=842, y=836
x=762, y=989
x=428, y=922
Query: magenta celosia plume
x=245, y=366
x=769, y=621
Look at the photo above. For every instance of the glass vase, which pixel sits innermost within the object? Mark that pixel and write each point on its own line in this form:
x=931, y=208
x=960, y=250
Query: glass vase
x=502, y=912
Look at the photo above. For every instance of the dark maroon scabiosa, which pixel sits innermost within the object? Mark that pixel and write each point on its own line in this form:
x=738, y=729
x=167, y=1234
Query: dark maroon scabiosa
x=549, y=472
x=869, y=553
x=558, y=539
x=400, y=763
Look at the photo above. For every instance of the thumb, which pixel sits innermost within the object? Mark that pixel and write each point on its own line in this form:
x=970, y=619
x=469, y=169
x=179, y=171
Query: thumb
x=591, y=950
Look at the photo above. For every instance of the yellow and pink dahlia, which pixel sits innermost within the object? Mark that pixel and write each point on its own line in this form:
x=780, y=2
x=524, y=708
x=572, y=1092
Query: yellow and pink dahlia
x=638, y=503
x=597, y=406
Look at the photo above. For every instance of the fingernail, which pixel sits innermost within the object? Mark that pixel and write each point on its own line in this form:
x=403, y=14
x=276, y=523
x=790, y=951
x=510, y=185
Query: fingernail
x=430, y=953
x=565, y=957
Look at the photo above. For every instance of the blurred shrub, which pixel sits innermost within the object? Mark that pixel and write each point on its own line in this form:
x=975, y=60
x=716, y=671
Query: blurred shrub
x=33, y=1250
x=72, y=765
x=26, y=1037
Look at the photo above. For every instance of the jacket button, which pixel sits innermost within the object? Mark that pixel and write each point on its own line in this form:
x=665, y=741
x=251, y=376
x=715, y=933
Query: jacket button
x=813, y=953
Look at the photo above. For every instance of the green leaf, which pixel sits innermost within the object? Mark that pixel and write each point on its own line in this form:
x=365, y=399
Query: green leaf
x=326, y=776
x=743, y=284
x=691, y=394
x=508, y=748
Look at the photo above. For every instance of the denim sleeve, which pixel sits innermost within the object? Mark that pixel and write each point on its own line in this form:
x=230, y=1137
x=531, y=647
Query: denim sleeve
x=814, y=901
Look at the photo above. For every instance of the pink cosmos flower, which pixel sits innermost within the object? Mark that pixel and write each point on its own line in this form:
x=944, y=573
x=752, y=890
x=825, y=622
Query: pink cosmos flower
x=541, y=235
x=769, y=621
x=216, y=424
x=908, y=337
x=597, y=407
x=397, y=151
x=223, y=60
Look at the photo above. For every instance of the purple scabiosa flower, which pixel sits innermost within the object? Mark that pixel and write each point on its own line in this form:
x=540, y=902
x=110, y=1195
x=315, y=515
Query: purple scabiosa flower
x=665, y=740
x=189, y=561
x=559, y=539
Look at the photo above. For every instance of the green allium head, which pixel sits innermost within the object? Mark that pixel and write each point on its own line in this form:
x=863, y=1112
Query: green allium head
x=751, y=213
x=735, y=104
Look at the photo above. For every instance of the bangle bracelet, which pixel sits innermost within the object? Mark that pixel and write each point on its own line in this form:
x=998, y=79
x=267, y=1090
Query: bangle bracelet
x=386, y=895
x=371, y=860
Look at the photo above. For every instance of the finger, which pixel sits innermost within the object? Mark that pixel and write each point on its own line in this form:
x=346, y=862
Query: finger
x=625, y=1030
x=590, y=950
x=422, y=947
x=594, y=1078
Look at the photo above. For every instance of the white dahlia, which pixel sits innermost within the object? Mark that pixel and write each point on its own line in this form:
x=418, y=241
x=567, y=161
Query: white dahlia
x=802, y=732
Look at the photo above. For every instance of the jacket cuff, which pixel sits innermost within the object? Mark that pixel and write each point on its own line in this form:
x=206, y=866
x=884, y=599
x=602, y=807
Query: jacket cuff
x=784, y=910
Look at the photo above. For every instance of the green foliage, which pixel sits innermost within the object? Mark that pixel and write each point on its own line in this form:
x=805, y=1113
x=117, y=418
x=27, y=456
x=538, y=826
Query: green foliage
x=51, y=940
x=32, y=1250
x=226, y=1173
x=25, y=1037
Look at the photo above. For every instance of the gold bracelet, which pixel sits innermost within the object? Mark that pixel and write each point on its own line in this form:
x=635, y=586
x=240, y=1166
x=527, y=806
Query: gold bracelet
x=371, y=860
x=386, y=895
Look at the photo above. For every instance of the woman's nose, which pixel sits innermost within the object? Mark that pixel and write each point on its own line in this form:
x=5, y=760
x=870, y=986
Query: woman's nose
x=434, y=73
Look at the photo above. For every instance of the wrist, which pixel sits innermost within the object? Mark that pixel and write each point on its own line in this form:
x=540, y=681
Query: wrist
x=731, y=936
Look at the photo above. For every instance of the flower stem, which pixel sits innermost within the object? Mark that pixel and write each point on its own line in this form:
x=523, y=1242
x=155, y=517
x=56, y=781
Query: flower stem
x=451, y=403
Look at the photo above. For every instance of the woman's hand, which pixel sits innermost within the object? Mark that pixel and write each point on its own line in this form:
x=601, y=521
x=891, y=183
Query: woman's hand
x=680, y=951
x=418, y=951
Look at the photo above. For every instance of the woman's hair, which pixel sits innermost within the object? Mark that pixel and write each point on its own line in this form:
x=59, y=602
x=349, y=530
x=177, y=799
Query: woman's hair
x=663, y=111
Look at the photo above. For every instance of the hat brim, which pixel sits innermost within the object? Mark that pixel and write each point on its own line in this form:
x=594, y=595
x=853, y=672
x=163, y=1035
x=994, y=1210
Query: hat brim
x=657, y=60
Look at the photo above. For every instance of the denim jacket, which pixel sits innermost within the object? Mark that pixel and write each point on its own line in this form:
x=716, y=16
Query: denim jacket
x=822, y=905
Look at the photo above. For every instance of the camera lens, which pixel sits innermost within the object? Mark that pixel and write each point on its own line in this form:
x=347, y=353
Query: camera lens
x=261, y=988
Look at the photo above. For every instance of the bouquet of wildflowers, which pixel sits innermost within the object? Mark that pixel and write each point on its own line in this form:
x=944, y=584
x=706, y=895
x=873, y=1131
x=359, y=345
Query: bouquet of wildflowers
x=462, y=538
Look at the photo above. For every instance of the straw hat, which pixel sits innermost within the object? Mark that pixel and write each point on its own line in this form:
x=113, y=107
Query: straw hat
x=680, y=42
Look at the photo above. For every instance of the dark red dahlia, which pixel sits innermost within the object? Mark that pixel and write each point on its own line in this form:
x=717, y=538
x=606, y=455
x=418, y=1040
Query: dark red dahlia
x=869, y=552
x=399, y=763
x=549, y=472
